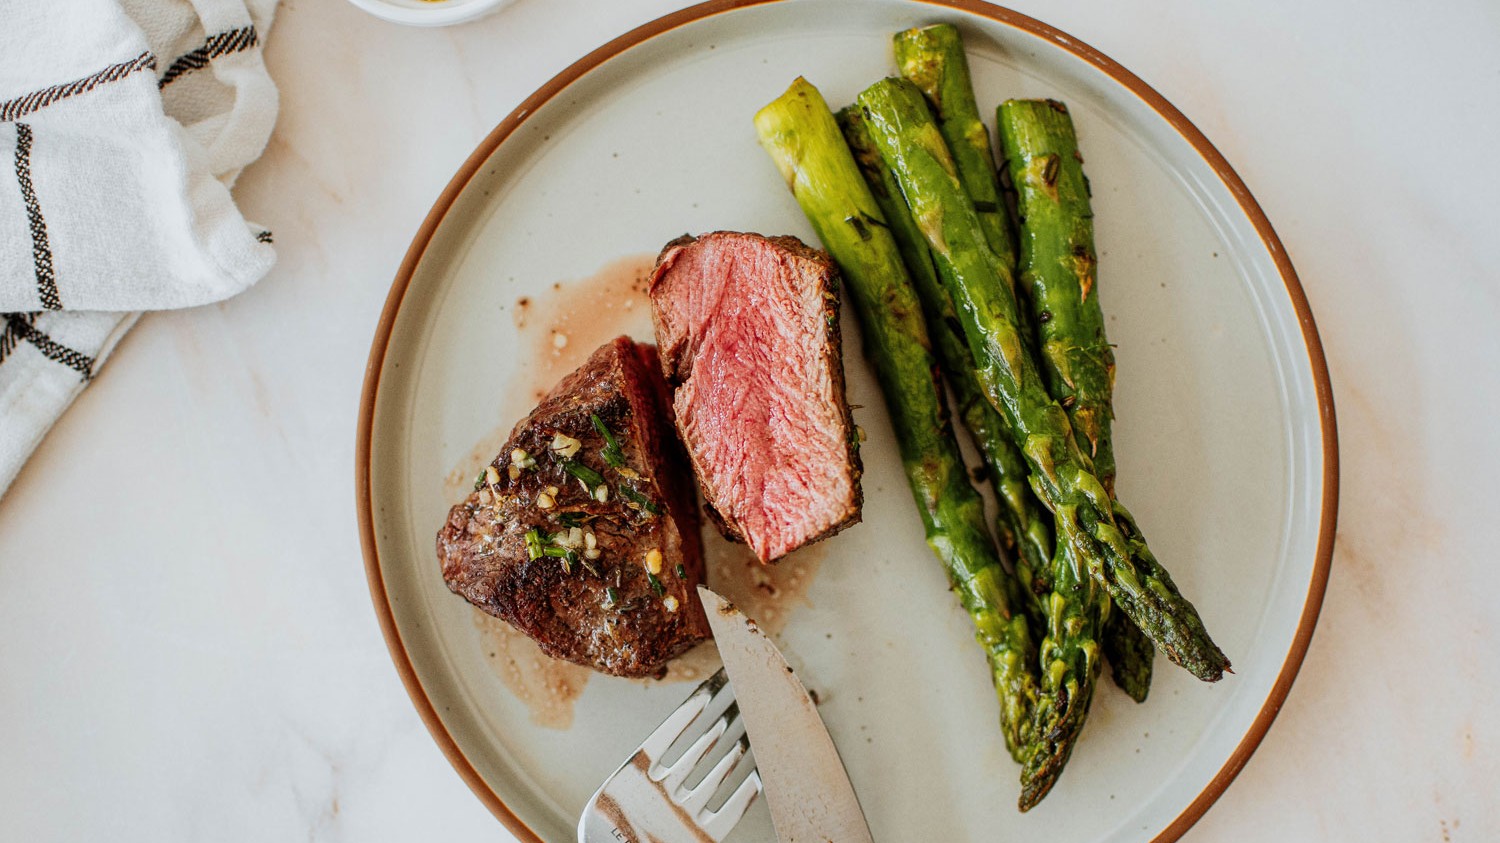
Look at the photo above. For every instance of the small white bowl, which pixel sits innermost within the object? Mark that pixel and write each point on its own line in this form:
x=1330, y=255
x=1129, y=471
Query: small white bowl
x=429, y=12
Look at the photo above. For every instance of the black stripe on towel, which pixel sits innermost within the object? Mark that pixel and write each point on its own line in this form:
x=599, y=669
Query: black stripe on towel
x=22, y=326
x=15, y=109
x=56, y=351
x=222, y=44
x=41, y=249
x=15, y=324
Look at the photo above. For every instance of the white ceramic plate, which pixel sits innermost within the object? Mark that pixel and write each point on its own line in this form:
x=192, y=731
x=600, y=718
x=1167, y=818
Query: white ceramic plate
x=1225, y=427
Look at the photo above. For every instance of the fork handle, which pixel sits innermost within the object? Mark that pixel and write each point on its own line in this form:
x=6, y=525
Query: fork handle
x=653, y=818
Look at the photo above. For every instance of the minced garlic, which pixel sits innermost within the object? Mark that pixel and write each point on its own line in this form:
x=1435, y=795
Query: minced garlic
x=565, y=446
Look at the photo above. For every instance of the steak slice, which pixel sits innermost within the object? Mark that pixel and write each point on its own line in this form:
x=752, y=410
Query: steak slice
x=749, y=335
x=583, y=532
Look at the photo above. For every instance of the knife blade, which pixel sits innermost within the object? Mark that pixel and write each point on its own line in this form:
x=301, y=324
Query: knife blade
x=806, y=786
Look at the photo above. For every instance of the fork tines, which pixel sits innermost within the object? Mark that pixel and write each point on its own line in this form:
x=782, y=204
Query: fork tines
x=695, y=721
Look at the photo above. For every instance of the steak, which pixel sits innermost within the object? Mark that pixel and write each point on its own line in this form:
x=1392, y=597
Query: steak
x=583, y=532
x=749, y=335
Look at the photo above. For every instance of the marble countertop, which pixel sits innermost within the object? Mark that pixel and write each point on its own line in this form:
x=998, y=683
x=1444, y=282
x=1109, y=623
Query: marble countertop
x=187, y=646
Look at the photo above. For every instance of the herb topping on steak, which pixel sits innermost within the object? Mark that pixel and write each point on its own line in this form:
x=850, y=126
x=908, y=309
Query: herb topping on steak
x=583, y=532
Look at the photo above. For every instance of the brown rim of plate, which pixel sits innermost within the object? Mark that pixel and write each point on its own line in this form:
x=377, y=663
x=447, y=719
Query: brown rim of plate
x=1328, y=515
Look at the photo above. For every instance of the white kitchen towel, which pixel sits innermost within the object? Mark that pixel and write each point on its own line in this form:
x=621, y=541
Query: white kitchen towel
x=123, y=125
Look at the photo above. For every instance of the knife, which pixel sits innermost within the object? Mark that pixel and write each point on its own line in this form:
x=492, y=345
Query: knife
x=806, y=785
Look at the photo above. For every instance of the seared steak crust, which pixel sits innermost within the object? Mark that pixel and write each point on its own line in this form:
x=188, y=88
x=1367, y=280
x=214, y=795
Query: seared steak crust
x=609, y=578
x=748, y=328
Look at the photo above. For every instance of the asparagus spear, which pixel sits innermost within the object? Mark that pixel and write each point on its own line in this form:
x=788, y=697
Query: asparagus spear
x=1129, y=653
x=1058, y=266
x=1070, y=606
x=1062, y=475
x=1020, y=522
x=799, y=132
x=1070, y=668
x=933, y=59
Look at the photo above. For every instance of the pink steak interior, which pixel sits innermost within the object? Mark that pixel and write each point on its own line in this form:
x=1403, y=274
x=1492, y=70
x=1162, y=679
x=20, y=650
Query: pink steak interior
x=749, y=332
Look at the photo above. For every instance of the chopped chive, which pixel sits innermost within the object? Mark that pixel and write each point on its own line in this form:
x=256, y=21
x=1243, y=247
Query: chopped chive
x=611, y=452
x=479, y=481
x=613, y=594
x=567, y=556
x=534, y=548
x=560, y=552
x=588, y=476
x=645, y=502
x=681, y=572
x=656, y=585
x=571, y=519
x=603, y=429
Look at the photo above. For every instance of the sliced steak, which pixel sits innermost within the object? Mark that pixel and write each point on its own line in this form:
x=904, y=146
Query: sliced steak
x=749, y=335
x=583, y=532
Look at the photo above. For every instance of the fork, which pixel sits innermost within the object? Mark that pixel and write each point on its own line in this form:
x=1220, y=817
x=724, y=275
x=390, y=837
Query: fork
x=648, y=799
